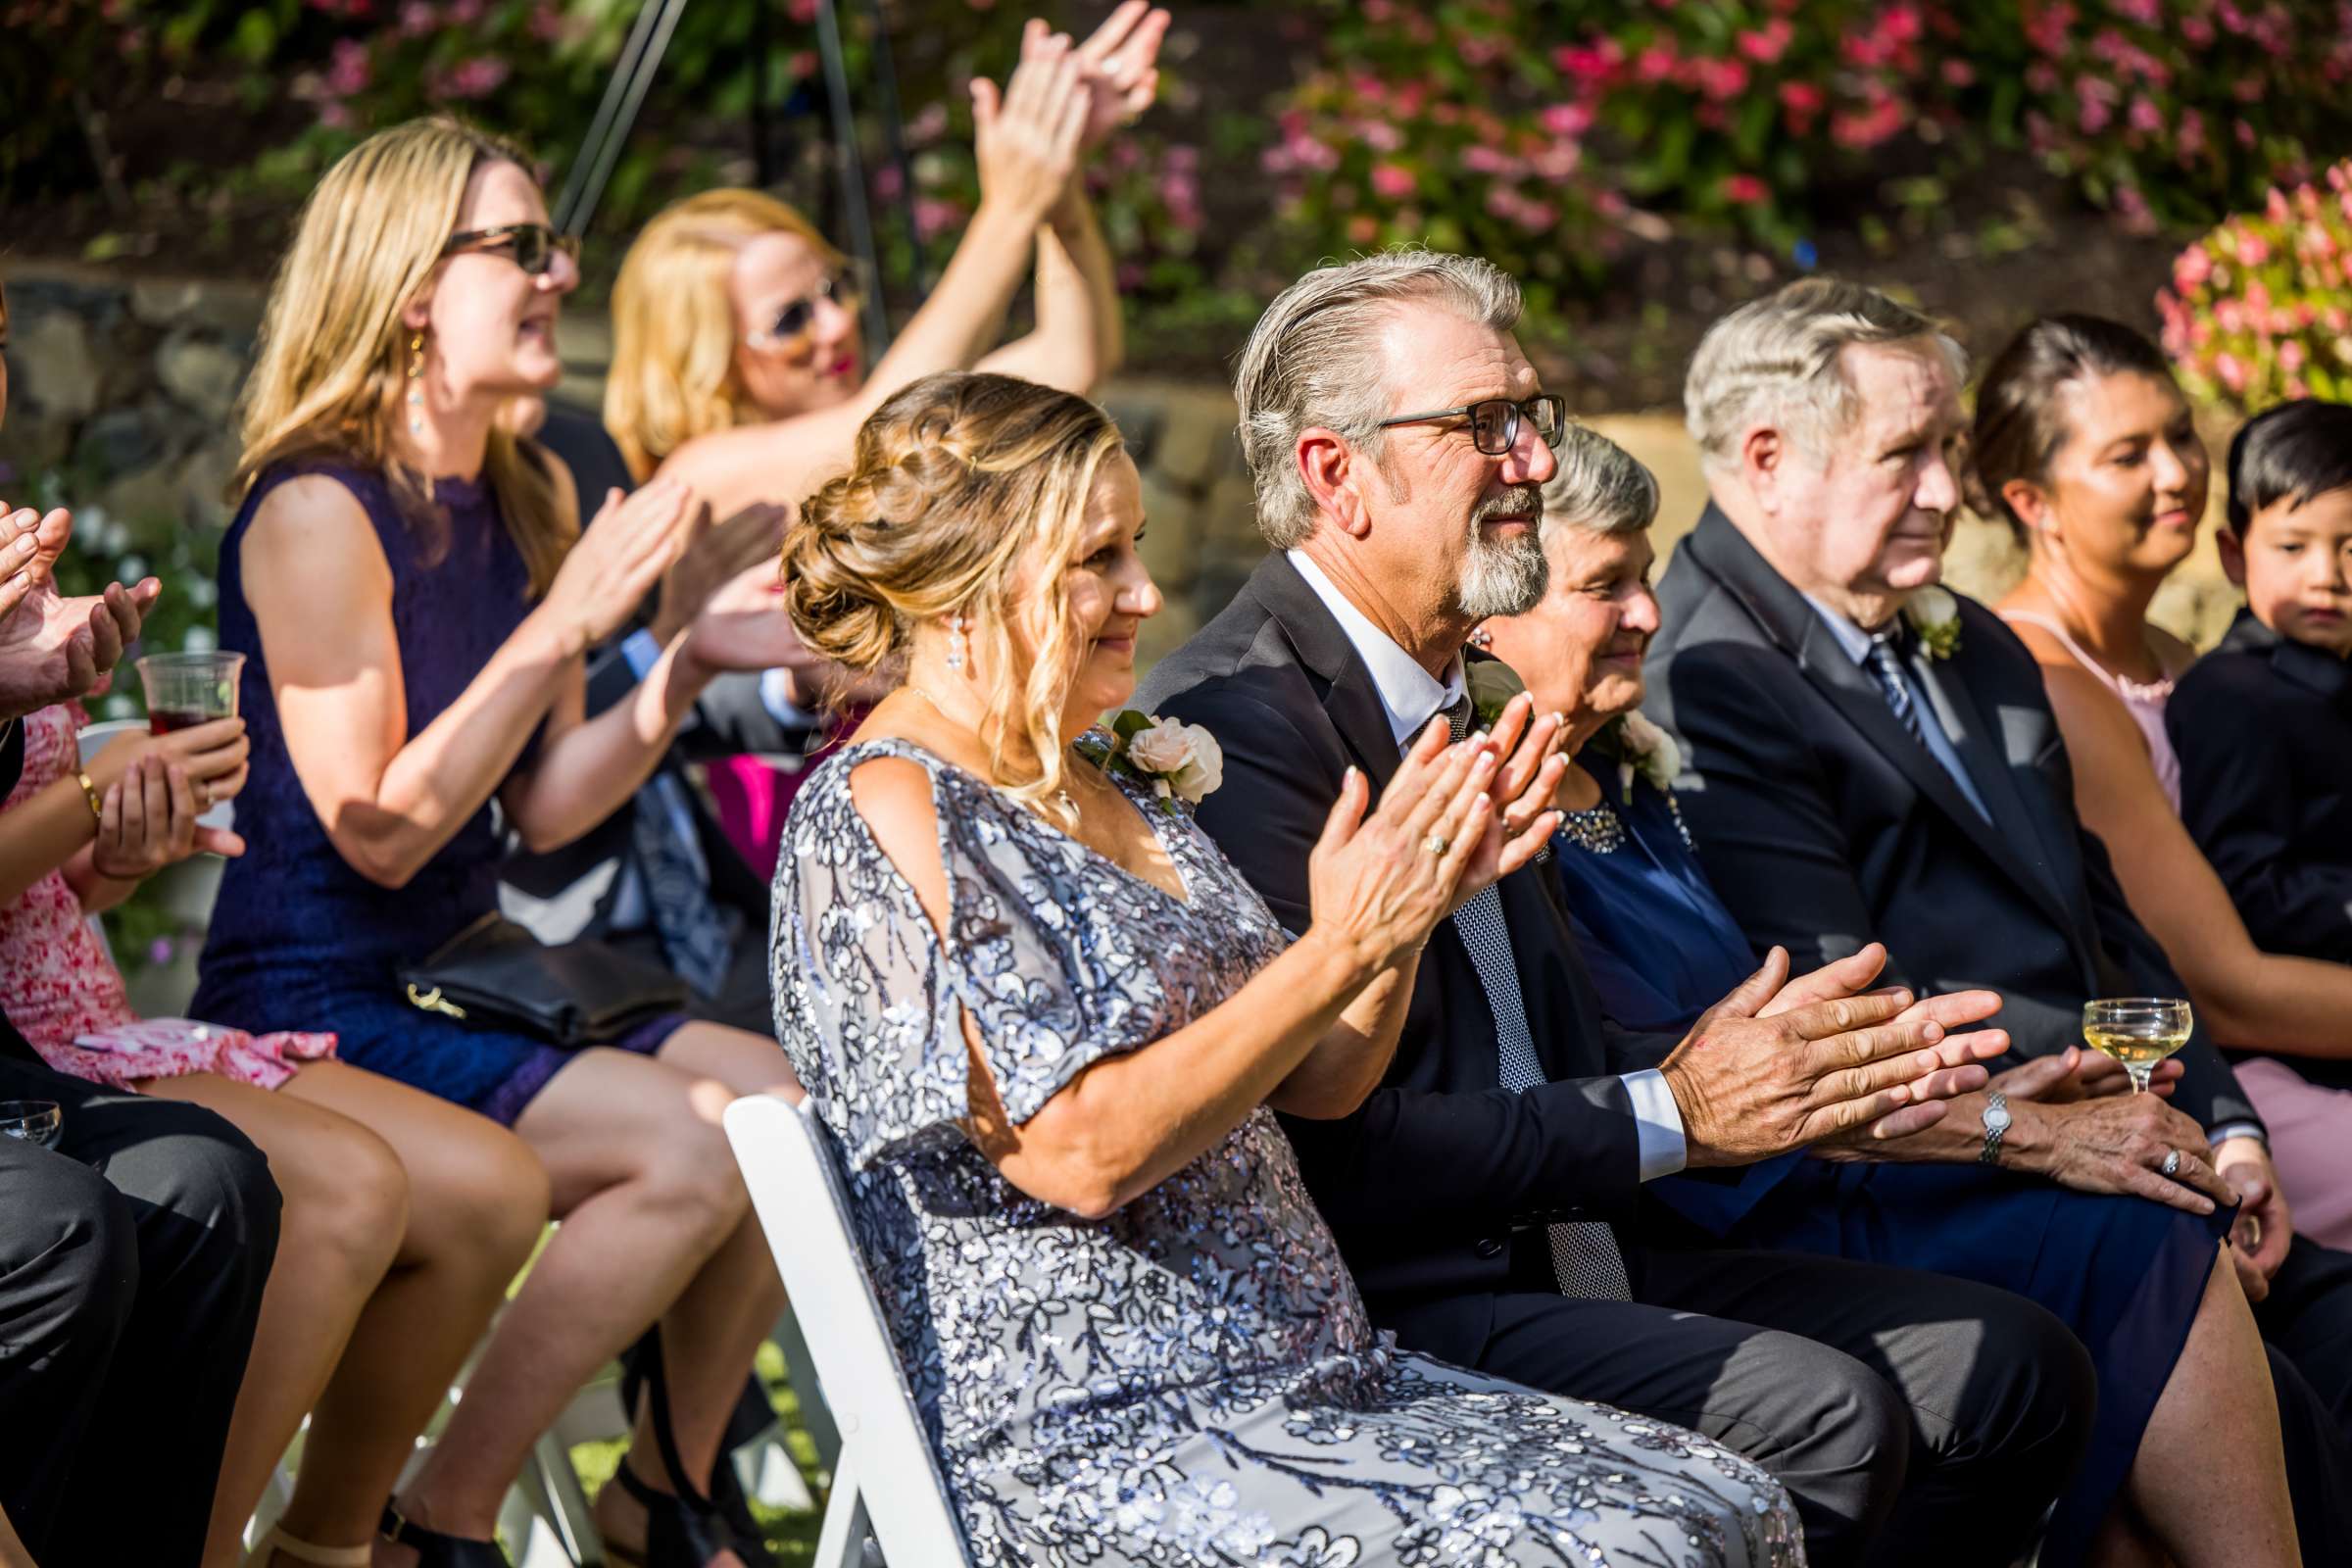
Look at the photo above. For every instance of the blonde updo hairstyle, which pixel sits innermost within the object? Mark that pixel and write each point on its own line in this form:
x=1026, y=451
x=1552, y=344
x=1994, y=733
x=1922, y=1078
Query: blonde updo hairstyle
x=674, y=332
x=332, y=355
x=955, y=483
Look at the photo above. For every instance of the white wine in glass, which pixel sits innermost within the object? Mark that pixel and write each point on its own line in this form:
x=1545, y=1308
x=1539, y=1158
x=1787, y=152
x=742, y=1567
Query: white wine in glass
x=2137, y=1031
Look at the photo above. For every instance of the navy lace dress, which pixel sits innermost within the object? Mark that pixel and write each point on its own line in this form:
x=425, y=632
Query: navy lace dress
x=297, y=933
x=2125, y=1274
x=1192, y=1380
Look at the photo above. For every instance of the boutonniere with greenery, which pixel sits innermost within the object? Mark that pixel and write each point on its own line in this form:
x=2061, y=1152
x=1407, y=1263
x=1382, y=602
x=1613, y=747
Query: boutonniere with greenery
x=1176, y=760
x=1492, y=684
x=1640, y=747
x=1936, y=615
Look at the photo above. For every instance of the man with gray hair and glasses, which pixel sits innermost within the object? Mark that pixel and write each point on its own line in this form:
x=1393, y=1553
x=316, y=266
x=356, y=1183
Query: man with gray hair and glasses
x=1872, y=760
x=1486, y=1190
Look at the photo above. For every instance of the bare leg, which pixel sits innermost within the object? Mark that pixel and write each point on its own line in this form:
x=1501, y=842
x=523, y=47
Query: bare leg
x=478, y=1201
x=711, y=1333
x=648, y=1195
x=2210, y=1481
x=346, y=1203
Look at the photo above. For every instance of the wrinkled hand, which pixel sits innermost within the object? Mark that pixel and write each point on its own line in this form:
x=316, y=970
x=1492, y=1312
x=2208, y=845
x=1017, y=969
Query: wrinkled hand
x=2114, y=1143
x=1120, y=66
x=2263, y=1228
x=619, y=558
x=1750, y=1086
x=1527, y=779
x=29, y=545
x=212, y=756
x=54, y=648
x=1375, y=887
x=1026, y=138
x=2076, y=1074
x=147, y=820
x=713, y=555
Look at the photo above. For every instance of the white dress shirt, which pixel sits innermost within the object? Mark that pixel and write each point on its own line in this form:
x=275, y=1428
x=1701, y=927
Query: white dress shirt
x=1411, y=697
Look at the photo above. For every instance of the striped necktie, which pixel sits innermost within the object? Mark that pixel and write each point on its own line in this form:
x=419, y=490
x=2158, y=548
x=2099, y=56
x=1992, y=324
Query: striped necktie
x=1586, y=1259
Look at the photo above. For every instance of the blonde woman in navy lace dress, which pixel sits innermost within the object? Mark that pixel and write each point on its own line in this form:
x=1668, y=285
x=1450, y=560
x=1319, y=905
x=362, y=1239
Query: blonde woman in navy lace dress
x=1044, y=1018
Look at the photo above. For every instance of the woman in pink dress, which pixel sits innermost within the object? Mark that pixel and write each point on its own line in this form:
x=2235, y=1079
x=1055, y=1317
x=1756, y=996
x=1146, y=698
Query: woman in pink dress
x=2085, y=446
x=405, y=1217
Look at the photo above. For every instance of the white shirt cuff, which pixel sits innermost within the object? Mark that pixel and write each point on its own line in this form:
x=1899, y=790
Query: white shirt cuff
x=1658, y=1124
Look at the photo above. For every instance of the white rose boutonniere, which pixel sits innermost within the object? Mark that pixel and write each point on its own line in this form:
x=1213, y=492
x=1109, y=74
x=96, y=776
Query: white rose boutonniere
x=1936, y=615
x=1492, y=685
x=1180, y=761
x=1642, y=747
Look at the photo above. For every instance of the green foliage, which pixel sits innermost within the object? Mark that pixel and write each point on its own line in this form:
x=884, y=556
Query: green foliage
x=2256, y=313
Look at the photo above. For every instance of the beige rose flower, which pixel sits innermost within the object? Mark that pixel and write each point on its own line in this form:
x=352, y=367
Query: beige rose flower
x=1164, y=748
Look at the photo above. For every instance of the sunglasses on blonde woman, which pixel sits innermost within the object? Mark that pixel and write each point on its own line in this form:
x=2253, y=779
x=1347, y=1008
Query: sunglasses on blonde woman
x=533, y=247
x=789, y=328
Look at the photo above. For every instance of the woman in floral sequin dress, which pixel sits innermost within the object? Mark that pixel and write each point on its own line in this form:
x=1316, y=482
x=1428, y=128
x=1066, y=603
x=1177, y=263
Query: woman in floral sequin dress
x=1045, y=1019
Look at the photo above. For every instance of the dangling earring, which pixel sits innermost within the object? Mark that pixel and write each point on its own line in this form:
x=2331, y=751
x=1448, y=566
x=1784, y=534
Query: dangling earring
x=416, y=384
x=1479, y=637
x=957, y=646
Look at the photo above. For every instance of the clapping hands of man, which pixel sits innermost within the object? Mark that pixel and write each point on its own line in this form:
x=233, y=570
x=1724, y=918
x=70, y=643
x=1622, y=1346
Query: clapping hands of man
x=53, y=648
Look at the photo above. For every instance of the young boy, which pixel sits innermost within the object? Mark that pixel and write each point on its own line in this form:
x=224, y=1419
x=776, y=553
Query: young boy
x=2263, y=723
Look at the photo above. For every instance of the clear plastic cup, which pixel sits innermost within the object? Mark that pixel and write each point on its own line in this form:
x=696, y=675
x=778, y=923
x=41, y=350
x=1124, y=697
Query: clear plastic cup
x=185, y=689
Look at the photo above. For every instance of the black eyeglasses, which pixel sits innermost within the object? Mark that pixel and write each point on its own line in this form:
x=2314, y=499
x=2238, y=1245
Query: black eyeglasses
x=532, y=246
x=793, y=321
x=1494, y=422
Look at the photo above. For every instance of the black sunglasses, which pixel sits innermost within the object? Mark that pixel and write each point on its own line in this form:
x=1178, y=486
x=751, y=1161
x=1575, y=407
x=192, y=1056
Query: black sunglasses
x=533, y=246
x=1494, y=422
x=792, y=322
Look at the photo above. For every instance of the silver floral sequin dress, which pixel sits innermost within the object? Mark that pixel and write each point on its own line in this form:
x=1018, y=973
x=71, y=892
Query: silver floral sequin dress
x=1191, y=1381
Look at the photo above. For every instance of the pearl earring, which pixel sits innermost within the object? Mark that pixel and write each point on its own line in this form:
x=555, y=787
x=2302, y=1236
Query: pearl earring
x=1479, y=637
x=957, y=646
x=416, y=384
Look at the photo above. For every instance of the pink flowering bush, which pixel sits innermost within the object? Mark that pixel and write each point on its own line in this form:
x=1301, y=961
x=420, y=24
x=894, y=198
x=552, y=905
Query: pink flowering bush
x=2257, y=311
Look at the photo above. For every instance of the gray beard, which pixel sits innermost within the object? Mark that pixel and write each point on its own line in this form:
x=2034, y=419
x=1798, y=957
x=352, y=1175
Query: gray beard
x=1504, y=576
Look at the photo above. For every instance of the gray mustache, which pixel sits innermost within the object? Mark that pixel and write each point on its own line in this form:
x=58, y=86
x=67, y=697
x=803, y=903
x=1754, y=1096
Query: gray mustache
x=1520, y=500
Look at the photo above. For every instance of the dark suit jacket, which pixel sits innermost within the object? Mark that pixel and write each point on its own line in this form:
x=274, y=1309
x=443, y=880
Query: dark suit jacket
x=2264, y=730
x=1824, y=825
x=1424, y=1183
x=13, y=1045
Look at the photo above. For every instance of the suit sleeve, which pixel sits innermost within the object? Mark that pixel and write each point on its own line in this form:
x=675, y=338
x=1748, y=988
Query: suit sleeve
x=1767, y=830
x=1406, y=1156
x=2239, y=800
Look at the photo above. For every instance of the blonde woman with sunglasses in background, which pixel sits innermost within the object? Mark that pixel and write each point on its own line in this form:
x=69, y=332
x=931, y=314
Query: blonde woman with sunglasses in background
x=738, y=368
x=414, y=593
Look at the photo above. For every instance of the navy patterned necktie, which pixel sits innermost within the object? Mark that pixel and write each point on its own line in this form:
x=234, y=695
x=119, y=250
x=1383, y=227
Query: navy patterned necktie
x=1586, y=1259
x=1885, y=663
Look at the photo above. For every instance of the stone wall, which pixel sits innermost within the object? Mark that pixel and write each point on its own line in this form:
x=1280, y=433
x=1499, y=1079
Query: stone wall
x=129, y=387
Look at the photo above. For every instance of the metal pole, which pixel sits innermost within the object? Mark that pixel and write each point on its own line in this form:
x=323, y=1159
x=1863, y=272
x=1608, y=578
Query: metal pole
x=572, y=205
x=894, y=140
x=764, y=171
x=632, y=100
x=848, y=169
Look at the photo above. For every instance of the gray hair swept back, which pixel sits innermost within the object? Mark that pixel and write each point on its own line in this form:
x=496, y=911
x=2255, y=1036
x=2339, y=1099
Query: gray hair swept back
x=1776, y=361
x=1600, y=488
x=1315, y=359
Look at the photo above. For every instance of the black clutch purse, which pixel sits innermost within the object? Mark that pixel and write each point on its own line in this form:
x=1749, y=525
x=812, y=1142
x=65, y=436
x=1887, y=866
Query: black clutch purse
x=495, y=975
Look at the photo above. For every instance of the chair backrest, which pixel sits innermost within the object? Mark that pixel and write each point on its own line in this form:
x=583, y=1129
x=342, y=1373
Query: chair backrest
x=887, y=1467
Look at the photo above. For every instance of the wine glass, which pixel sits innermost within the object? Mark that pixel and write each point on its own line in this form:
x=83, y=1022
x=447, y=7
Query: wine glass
x=2137, y=1031
x=37, y=1121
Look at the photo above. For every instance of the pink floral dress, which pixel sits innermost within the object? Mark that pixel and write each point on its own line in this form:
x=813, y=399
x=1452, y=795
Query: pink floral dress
x=64, y=993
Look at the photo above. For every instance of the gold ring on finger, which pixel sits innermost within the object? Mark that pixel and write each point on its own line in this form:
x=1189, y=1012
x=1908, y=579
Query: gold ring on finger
x=1435, y=844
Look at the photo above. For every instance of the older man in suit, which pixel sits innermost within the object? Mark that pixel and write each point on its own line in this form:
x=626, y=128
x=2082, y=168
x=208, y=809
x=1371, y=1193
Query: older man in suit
x=1871, y=758
x=1487, y=1195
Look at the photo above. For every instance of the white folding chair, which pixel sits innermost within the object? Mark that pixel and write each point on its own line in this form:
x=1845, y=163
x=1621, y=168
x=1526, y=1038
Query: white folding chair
x=886, y=1483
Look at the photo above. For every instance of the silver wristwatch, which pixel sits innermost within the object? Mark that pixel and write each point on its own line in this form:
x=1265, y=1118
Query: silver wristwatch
x=1996, y=1122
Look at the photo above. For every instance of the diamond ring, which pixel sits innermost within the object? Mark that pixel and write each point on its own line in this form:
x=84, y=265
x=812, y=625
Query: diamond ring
x=2172, y=1163
x=1435, y=844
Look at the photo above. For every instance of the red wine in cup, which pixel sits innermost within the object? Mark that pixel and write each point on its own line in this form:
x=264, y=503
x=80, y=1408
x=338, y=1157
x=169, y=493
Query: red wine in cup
x=164, y=720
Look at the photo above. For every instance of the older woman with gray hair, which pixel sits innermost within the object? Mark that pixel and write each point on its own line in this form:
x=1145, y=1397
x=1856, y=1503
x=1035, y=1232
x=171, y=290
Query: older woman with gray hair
x=2123, y=1273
